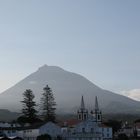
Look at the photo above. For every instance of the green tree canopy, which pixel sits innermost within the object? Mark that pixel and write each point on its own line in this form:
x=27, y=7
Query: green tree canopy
x=29, y=112
x=48, y=104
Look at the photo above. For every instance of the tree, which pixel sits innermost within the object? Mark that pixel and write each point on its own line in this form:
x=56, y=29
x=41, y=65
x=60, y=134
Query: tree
x=122, y=137
x=48, y=104
x=44, y=137
x=29, y=112
x=116, y=125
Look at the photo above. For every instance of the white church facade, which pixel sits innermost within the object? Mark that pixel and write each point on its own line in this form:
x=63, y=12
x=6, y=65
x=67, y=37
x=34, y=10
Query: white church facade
x=90, y=127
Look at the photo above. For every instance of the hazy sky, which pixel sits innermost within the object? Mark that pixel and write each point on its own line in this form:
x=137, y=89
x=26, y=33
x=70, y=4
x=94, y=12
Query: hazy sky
x=99, y=39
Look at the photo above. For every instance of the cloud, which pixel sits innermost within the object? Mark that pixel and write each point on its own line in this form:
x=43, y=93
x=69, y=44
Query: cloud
x=134, y=94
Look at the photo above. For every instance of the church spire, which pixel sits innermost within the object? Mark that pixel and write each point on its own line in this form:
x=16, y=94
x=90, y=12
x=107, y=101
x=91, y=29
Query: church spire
x=96, y=104
x=98, y=113
x=82, y=112
x=82, y=103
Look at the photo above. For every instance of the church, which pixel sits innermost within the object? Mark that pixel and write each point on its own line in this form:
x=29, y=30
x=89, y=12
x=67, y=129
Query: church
x=88, y=126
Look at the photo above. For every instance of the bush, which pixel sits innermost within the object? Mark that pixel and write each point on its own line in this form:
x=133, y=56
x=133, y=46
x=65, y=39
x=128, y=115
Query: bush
x=122, y=137
x=44, y=137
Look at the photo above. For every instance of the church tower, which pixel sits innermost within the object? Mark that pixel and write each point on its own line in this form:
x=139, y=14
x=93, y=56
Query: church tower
x=98, y=113
x=82, y=112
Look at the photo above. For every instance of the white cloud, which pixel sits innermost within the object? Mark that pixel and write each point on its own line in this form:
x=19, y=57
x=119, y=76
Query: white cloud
x=134, y=94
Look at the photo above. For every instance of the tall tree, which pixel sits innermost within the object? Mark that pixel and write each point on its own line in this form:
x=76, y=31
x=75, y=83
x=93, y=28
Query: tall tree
x=29, y=112
x=48, y=104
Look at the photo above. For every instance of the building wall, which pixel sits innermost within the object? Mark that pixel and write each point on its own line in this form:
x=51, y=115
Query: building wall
x=50, y=128
x=10, y=133
x=87, y=127
x=30, y=134
x=107, y=133
x=86, y=130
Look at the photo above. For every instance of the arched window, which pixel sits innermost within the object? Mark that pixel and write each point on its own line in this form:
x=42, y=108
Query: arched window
x=85, y=116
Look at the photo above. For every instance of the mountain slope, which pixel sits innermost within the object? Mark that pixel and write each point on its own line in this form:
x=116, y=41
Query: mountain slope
x=68, y=88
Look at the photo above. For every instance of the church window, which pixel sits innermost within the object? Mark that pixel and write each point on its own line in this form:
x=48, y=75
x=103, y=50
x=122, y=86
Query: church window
x=85, y=116
x=107, y=135
x=83, y=130
x=79, y=117
x=98, y=117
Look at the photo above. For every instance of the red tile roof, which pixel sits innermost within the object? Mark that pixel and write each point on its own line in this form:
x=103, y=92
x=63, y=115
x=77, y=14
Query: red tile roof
x=71, y=122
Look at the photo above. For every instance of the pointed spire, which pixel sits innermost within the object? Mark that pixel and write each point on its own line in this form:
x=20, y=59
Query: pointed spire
x=82, y=103
x=96, y=104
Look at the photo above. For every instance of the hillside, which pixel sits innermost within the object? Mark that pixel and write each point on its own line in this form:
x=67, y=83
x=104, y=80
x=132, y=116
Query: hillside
x=68, y=88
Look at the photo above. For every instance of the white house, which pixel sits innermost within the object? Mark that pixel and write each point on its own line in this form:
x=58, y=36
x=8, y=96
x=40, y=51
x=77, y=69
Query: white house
x=126, y=129
x=50, y=128
x=8, y=131
x=106, y=132
x=31, y=133
x=28, y=134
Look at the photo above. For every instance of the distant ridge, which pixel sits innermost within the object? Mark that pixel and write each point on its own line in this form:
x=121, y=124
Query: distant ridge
x=68, y=88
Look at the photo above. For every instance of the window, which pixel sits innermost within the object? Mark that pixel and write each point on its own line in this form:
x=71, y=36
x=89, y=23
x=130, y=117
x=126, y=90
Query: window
x=103, y=134
x=85, y=116
x=92, y=130
x=107, y=135
x=83, y=130
x=79, y=117
x=99, y=117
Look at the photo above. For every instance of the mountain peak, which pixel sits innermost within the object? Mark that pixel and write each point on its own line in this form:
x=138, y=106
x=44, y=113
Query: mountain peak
x=43, y=67
x=52, y=68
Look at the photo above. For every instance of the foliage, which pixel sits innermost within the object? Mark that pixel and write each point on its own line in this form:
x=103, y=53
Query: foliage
x=116, y=125
x=137, y=121
x=22, y=120
x=48, y=104
x=29, y=112
x=44, y=137
x=122, y=137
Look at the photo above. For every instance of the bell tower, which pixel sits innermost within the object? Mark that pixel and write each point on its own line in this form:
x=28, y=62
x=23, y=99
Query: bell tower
x=82, y=111
x=97, y=111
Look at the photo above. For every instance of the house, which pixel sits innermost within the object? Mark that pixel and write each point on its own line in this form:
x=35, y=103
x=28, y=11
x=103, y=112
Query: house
x=9, y=131
x=31, y=133
x=128, y=131
x=50, y=128
x=106, y=132
x=28, y=133
x=137, y=128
